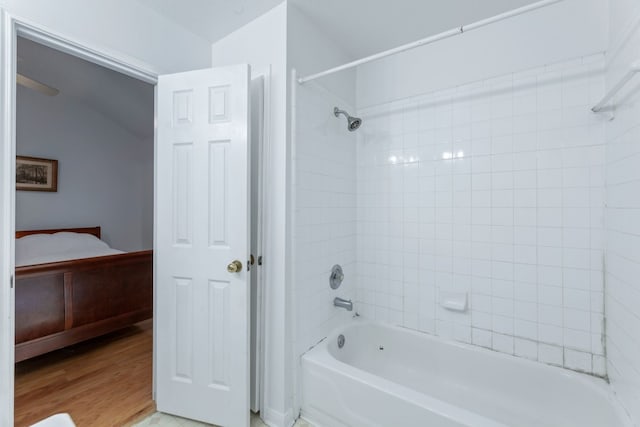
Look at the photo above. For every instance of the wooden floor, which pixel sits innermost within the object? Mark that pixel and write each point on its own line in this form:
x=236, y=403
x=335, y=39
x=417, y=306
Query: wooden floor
x=102, y=382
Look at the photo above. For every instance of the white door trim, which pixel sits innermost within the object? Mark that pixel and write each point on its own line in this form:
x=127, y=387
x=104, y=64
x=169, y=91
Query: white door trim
x=7, y=197
x=263, y=72
x=10, y=28
x=84, y=50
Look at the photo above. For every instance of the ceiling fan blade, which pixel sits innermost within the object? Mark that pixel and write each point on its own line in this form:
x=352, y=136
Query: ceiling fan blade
x=35, y=85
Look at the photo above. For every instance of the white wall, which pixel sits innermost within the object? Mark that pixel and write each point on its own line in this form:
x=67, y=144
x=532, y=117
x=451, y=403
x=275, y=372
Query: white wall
x=311, y=49
x=105, y=174
x=492, y=190
x=324, y=231
x=324, y=197
x=263, y=42
x=123, y=27
x=622, y=262
x=572, y=28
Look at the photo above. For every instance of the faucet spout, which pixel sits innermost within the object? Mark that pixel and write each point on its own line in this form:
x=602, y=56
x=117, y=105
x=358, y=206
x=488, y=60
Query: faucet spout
x=343, y=303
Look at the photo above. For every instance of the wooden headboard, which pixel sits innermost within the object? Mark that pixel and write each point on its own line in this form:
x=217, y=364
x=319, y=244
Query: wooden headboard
x=88, y=230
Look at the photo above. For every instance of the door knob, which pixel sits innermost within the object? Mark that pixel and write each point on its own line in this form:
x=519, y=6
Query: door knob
x=234, y=267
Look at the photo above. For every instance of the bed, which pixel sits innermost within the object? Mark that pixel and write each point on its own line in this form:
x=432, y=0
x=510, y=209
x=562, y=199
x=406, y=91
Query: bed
x=61, y=301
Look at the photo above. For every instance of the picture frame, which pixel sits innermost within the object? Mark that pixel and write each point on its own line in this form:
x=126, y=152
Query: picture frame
x=36, y=174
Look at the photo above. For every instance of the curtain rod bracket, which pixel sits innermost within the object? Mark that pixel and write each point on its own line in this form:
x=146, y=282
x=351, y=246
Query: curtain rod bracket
x=602, y=105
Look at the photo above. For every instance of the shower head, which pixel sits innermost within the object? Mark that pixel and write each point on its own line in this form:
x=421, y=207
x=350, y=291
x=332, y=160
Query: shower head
x=353, y=123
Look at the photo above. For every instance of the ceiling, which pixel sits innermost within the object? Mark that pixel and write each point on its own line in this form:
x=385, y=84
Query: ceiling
x=127, y=101
x=211, y=19
x=365, y=27
x=362, y=27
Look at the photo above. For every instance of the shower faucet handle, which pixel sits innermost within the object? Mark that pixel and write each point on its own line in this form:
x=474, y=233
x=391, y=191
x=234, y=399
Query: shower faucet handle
x=336, y=277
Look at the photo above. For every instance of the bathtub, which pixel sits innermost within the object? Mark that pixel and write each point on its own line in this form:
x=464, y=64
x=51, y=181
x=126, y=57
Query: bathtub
x=393, y=377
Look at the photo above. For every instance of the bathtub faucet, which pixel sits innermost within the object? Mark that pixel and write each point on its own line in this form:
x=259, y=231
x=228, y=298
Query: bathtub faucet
x=346, y=304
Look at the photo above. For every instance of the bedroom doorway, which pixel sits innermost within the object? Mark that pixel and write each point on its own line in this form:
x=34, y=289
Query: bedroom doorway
x=84, y=215
x=35, y=35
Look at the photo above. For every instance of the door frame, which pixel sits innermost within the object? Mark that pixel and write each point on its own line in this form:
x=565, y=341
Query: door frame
x=262, y=206
x=11, y=27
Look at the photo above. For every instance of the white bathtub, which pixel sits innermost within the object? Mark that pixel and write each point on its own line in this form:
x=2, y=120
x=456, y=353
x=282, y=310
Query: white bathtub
x=393, y=377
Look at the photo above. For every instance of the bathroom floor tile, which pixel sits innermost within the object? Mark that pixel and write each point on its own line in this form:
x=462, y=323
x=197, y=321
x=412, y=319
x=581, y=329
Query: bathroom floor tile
x=164, y=420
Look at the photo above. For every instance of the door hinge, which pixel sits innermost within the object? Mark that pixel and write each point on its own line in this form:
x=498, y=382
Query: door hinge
x=260, y=260
x=11, y=281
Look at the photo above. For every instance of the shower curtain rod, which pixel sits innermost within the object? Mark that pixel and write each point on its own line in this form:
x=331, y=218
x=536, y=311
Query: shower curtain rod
x=422, y=42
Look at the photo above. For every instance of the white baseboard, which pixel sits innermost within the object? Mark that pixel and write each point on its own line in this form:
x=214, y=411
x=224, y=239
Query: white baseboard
x=274, y=418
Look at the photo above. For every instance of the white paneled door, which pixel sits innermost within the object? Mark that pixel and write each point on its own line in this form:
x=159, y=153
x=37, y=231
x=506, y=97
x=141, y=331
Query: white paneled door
x=202, y=247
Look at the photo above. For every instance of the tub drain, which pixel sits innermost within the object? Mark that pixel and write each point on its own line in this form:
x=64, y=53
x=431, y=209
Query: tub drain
x=340, y=341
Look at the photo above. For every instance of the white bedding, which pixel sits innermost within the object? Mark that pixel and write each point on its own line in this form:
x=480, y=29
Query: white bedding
x=63, y=246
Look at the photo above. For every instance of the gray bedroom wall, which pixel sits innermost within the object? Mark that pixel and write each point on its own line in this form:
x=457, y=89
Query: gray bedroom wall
x=105, y=173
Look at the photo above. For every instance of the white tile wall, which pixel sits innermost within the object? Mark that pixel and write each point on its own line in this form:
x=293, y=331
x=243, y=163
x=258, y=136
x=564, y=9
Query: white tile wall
x=493, y=189
x=623, y=219
x=325, y=212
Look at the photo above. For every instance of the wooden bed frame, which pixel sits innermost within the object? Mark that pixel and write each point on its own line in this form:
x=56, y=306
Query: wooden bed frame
x=63, y=303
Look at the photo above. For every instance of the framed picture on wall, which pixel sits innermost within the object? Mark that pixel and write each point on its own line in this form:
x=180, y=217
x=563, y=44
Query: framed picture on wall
x=35, y=174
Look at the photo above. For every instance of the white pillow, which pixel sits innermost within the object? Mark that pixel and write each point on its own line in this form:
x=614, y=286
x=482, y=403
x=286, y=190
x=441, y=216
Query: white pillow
x=37, y=245
x=78, y=240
